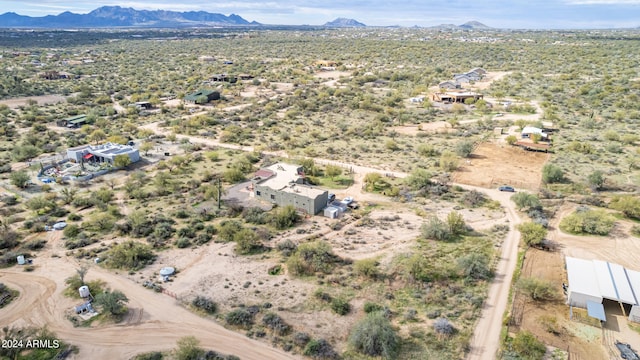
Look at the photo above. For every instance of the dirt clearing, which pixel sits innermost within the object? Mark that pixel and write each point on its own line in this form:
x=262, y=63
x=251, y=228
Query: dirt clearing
x=42, y=100
x=493, y=165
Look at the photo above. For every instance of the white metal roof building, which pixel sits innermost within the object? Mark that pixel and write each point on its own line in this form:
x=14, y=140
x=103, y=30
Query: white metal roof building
x=596, y=280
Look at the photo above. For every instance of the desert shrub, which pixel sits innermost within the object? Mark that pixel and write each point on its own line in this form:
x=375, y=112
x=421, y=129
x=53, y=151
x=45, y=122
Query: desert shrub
x=428, y=150
x=187, y=232
x=374, y=336
x=536, y=289
x=456, y=223
x=35, y=244
x=531, y=233
x=538, y=216
x=247, y=242
x=419, y=179
x=340, y=306
x=129, y=255
x=188, y=349
x=276, y=323
x=528, y=347
x=370, y=307
x=287, y=247
x=320, y=349
x=284, y=217
x=112, y=302
x=74, y=217
x=525, y=200
x=552, y=174
x=301, y=338
x=587, y=221
x=443, y=327
x=239, y=317
x=8, y=239
x=475, y=266
x=205, y=304
x=254, y=215
x=629, y=205
x=71, y=231
x=435, y=229
x=227, y=229
x=474, y=198
x=464, y=148
x=155, y=355
x=312, y=257
x=182, y=243
x=367, y=268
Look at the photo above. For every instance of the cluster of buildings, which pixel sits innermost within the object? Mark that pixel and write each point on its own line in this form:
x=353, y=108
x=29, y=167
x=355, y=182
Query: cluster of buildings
x=465, y=78
x=452, y=91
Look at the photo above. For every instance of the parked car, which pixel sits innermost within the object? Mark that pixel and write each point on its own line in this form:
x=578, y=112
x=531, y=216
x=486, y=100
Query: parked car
x=348, y=200
x=507, y=188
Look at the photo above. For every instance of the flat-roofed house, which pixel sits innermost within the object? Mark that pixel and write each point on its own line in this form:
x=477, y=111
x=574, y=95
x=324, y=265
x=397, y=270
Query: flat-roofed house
x=104, y=153
x=283, y=184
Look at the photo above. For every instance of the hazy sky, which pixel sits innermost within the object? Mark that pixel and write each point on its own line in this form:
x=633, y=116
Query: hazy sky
x=530, y=14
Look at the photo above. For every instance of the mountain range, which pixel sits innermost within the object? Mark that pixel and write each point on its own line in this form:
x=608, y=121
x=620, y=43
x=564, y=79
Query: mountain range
x=116, y=16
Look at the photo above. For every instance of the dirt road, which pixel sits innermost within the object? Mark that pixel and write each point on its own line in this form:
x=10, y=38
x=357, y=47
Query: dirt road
x=156, y=320
x=486, y=336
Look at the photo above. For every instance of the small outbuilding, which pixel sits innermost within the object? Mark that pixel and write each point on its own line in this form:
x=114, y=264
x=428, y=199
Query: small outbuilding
x=332, y=212
x=199, y=96
x=167, y=271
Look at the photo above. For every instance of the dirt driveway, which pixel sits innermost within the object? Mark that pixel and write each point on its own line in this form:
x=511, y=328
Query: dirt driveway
x=158, y=322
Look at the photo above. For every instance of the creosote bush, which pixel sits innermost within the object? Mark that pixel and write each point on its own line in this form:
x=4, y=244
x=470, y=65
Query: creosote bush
x=374, y=336
x=240, y=317
x=588, y=221
x=320, y=349
x=537, y=289
x=205, y=304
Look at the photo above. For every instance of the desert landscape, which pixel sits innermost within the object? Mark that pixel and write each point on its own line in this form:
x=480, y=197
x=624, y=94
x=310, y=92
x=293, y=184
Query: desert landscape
x=331, y=207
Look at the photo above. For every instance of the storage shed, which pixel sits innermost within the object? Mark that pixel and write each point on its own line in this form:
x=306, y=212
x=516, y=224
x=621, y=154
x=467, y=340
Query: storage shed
x=592, y=281
x=331, y=212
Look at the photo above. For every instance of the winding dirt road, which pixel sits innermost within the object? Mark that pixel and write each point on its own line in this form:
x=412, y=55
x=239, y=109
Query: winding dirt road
x=157, y=321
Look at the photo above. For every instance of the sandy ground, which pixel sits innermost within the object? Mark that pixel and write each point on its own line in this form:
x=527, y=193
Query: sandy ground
x=432, y=127
x=489, y=78
x=156, y=321
x=42, y=100
x=492, y=165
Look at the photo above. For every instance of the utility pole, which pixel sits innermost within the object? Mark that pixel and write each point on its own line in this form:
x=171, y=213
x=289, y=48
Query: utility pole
x=219, y=193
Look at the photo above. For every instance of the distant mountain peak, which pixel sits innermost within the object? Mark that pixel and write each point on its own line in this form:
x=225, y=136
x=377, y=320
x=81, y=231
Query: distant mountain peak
x=344, y=22
x=474, y=25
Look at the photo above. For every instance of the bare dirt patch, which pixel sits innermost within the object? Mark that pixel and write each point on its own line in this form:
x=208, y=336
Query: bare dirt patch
x=493, y=165
x=42, y=100
x=489, y=78
x=414, y=130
